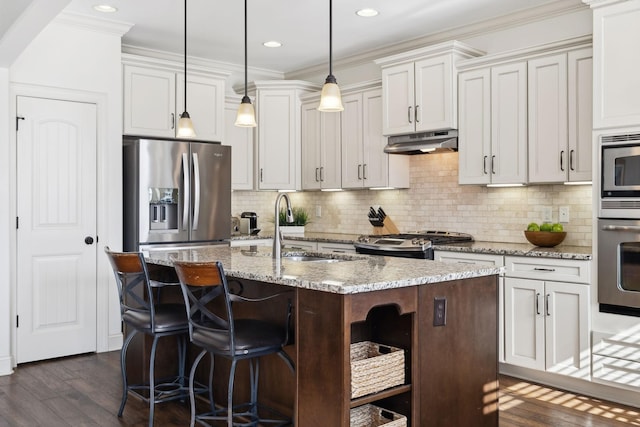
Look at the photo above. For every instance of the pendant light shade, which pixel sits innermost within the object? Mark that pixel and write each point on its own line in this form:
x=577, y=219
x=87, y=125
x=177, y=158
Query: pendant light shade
x=185, y=126
x=246, y=115
x=330, y=98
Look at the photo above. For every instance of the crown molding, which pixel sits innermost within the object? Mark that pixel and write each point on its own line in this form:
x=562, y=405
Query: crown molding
x=594, y=4
x=549, y=10
x=87, y=22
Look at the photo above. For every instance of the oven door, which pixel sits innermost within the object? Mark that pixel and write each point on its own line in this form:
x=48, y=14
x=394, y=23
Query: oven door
x=619, y=266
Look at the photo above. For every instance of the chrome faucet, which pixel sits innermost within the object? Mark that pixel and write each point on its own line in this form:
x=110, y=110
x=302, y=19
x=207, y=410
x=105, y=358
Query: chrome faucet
x=277, y=234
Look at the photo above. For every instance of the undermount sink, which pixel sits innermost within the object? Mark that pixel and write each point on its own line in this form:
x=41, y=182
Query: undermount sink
x=310, y=258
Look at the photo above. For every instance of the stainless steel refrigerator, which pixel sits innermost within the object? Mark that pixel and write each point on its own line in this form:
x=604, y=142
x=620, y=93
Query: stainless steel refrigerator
x=176, y=193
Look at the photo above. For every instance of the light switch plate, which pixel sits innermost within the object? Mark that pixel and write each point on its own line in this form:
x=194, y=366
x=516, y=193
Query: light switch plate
x=563, y=214
x=546, y=214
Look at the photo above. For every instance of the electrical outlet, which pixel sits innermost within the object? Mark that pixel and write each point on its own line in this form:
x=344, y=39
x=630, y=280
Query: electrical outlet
x=439, y=311
x=546, y=214
x=563, y=214
x=318, y=211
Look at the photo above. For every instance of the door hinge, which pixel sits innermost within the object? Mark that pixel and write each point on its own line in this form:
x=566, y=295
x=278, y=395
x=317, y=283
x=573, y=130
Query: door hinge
x=17, y=321
x=18, y=118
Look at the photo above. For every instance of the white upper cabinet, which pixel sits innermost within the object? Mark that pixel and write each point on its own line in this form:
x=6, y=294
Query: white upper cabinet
x=364, y=162
x=560, y=125
x=616, y=59
x=278, y=108
x=320, y=148
x=242, y=148
x=525, y=116
x=493, y=125
x=420, y=90
x=154, y=99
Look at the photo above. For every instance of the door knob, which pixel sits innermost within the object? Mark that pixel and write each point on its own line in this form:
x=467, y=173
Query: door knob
x=88, y=240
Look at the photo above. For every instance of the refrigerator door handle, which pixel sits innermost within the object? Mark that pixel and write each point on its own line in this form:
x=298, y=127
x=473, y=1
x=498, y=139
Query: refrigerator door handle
x=187, y=191
x=196, y=191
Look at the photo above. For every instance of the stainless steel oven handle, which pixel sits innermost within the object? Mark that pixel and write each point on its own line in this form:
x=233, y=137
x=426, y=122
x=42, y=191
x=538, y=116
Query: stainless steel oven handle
x=635, y=228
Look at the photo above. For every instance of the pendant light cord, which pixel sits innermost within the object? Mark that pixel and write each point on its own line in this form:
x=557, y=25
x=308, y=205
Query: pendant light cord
x=245, y=48
x=330, y=37
x=185, y=55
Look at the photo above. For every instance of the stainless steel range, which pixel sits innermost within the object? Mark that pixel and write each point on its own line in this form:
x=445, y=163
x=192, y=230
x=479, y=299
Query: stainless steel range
x=416, y=244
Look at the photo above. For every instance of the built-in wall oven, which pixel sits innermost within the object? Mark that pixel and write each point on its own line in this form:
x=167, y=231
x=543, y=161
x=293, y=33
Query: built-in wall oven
x=618, y=224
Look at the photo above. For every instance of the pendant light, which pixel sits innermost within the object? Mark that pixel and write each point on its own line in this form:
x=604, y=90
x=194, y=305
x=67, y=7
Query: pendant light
x=246, y=115
x=330, y=99
x=185, y=126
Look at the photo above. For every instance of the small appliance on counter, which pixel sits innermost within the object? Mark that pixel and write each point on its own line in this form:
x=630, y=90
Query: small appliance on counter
x=249, y=223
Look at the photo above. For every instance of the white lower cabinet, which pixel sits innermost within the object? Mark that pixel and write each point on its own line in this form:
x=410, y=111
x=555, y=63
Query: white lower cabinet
x=481, y=259
x=547, y=320
x=250, y=242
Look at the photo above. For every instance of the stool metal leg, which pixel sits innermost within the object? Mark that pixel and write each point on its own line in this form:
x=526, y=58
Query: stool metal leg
x=123, y=370
x=152, y=380
x=192, y=397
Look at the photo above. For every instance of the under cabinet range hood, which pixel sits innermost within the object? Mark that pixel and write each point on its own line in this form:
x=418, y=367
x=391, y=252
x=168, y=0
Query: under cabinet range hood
x=423, y=143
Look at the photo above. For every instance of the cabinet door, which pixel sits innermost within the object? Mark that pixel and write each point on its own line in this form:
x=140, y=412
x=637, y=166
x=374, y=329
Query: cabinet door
x=580, y=98
x=524, y=322
x=205, y=104
x=351, y=135
x=149, y=102
x=398, y=113
x=330, y=151
x=474, y=133
x=278, y=147
x=616, y=99
x=241, y=141
x=311, y=146
x=434, y=92
x=375, y=169
x=567, y=329
x=547, y=99
x=508, y=163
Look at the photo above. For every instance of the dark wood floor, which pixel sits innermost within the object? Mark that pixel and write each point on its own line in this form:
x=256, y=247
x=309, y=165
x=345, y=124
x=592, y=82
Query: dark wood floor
x=85, y=391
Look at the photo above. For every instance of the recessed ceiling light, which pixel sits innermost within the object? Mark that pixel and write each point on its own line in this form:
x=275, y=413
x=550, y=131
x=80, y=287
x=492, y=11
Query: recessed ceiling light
x=105, y=8
x=272, y=43
x=367, y=12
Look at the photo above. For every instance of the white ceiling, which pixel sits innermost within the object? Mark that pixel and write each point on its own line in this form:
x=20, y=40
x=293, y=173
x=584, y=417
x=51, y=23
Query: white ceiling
x=215, y=27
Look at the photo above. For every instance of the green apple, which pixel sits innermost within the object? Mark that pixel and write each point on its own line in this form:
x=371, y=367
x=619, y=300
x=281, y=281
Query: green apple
x=533, y=227
x=546, y=227
x=557, y=227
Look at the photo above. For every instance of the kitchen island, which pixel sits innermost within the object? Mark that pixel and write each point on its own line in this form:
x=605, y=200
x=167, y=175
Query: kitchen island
x=443, y=316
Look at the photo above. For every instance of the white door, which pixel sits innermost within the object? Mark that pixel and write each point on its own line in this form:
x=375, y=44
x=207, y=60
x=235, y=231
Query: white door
x=56, y=249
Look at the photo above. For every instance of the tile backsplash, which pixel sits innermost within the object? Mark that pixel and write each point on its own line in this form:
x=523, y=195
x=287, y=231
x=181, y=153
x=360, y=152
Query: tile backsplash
x=436, y=201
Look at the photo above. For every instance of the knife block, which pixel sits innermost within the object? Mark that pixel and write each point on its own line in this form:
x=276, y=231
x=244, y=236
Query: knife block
x=387, y=227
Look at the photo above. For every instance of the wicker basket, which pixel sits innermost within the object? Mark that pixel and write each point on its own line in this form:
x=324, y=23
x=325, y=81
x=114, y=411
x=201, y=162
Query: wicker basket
x=375, y=367
x=372, y=416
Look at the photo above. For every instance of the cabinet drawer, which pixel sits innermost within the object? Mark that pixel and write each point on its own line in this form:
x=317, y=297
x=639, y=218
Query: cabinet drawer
x=469, y=258
x=565, y=270
x=619, y=371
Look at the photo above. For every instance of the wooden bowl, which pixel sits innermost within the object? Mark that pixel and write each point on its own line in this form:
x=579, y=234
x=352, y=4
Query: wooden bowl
x=545, y=239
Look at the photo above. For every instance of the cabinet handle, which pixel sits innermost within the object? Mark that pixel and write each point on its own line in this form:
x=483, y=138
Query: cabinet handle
x=321, y=173
x=544, y=269
x=364, y=171
x=546, y=303
x=359, y=171
x=173, y=120
x=409, y=114
x=416, y=114
x=571, y=167
x=484, y=164
x=317, y=175
x=493, y=169
x=538, y=303
x=261, y=180
x=562, y=160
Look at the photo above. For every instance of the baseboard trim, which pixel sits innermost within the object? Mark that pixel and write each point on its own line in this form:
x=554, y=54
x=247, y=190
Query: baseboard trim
x=6, y=366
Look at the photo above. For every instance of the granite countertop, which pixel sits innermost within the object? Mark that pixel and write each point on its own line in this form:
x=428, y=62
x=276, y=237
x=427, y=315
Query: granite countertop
x=497, y=248
x=349, y=275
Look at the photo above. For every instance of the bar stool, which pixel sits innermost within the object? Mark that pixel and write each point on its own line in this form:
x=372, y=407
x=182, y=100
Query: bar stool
x=141, y=312
x=233, y=338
